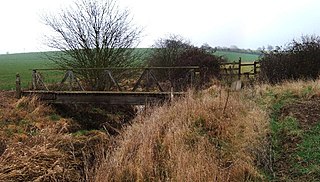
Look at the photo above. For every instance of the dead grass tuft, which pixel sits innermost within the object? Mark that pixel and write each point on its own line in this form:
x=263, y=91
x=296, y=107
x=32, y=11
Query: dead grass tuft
x=54, y=158
x=36, y=144
x=299, y=89
x=192, y=140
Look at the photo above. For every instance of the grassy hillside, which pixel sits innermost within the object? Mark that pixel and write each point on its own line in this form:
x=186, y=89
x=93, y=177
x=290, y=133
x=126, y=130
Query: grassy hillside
x=11, y=64
x=234, y=56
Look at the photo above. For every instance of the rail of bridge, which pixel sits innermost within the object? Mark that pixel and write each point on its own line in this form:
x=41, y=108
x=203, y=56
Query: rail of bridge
x=76, y=92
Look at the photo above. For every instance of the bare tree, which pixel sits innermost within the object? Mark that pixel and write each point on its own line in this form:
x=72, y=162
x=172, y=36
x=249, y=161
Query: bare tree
x=93, y=34
x=166, y=51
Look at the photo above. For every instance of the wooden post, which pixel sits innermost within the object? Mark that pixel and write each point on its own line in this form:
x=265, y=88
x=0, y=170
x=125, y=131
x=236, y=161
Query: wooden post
x=191, y=77
x=239, y=69
x=255, y=68
x=18, y=86
x=171, y=94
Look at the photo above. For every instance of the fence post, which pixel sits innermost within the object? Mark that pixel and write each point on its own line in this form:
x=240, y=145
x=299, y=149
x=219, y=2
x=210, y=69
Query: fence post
x=255, y=68
x=192, y=77
x=239, y=69
x=18, y=86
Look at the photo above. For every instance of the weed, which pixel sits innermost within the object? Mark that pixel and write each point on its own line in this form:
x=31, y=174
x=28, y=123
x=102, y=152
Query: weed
x=307, y=90
x=33, y=133
x=191, y=140
x=200, y=125
x=54, y=117
x=81, y=133
x=9, y=132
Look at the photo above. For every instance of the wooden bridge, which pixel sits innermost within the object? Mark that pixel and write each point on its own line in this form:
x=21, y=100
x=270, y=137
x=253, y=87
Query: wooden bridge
x=134, y=86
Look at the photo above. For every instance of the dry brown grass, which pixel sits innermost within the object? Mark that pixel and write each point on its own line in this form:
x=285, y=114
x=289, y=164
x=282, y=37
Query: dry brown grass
x=192, y=140
x=203, y=137
x=35, y=144
x=267, y=95
x=299, y=89
x=24, y=117
x=54, y=158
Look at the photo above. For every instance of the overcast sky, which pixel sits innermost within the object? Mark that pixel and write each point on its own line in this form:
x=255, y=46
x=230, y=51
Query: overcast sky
x=244, y=23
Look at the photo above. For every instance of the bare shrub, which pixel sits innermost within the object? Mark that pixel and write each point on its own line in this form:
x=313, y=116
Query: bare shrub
x=174, y=51
x=208, y=63
x=298, y=60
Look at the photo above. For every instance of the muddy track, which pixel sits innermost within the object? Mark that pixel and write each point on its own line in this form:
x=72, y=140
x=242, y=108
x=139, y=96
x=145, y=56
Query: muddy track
x=307, y=112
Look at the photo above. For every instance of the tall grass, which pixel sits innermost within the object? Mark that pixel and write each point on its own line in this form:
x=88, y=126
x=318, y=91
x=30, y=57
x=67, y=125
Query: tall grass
x=36, y=144
x=194, y=139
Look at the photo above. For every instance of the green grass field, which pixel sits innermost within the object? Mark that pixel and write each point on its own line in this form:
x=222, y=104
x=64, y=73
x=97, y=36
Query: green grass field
x=234, y=56
x=11, y=64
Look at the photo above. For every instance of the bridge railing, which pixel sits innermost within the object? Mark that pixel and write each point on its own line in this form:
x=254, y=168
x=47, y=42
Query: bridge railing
x=137, y=79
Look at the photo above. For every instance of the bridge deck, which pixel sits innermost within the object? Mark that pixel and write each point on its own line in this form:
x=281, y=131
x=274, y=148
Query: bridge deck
x=107, y=97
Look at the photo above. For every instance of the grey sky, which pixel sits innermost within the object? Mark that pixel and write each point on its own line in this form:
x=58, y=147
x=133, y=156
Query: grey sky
x=245, y=23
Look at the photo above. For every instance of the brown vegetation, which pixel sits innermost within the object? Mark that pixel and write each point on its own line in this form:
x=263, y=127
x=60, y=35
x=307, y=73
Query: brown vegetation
x=193, y=139
x=36, y=144
x=212, y=135
x=297, y=60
